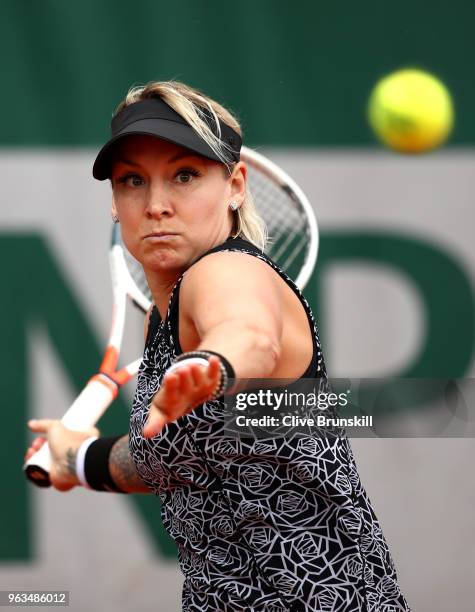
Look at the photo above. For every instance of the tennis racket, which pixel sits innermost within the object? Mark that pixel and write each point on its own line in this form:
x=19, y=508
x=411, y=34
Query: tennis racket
x=293, y=245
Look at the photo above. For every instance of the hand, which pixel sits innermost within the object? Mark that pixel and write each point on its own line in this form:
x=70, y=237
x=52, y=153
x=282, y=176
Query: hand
x=64, y=444
x=180, y=392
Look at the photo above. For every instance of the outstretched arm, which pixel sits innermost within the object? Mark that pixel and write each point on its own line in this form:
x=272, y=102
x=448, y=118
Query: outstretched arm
x=233, y=306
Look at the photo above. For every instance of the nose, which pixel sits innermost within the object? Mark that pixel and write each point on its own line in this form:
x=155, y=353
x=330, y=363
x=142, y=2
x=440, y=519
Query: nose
x=158, y=204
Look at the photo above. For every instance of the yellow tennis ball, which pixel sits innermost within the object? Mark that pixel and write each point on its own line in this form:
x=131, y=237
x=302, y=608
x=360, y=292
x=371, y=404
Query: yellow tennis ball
x=411, y=111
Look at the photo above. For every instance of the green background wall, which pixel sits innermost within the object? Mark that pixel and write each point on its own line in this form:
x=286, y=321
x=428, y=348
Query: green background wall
x=297, y=73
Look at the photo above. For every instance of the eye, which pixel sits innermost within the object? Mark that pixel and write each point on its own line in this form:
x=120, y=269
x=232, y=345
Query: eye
x=186, y=175
x=131, y=180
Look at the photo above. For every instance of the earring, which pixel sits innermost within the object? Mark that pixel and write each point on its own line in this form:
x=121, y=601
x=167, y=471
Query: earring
x=115, y=219
x=234, y=205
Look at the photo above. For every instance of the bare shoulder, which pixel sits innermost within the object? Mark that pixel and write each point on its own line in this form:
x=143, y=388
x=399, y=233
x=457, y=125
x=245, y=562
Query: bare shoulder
x=229, y=268
x=231, y=286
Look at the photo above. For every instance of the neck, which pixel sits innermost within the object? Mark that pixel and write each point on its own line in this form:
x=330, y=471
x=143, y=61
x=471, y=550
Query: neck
x=161, y=288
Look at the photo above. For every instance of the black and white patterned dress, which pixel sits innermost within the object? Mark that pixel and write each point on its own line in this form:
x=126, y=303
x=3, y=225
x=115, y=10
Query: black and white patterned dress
x=261, y=525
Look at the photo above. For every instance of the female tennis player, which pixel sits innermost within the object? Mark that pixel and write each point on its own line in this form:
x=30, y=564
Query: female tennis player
x=280, y=524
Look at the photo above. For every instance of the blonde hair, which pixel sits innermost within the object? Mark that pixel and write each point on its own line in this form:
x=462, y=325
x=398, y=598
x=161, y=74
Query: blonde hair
x=189, y=102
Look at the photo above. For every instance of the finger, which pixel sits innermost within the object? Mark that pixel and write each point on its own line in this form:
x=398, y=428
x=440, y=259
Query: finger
x=196, y=374
x=155, y=423
x=171, y=381
x=38, y=443
x=168, y=389
x=41, y=425
x=170, y=393
x=29, y=453
x=214, y=370
x=200, y=375
x=34, y=448
x=206, y=380
x=187, y=384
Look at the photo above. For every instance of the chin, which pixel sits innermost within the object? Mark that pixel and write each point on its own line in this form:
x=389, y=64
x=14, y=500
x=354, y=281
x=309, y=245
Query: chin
x=162, y=260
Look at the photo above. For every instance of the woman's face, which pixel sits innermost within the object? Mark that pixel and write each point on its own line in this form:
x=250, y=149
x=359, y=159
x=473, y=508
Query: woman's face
x=172, y=204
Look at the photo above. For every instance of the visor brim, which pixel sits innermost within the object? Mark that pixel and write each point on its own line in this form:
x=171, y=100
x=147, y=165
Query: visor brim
x=171, y=131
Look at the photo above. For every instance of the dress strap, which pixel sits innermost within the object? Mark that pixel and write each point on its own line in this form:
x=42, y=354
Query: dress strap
x=154, y=323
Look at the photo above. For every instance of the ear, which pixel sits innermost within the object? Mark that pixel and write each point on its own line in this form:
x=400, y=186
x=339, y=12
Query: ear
x=238, y=181
x=113, y=208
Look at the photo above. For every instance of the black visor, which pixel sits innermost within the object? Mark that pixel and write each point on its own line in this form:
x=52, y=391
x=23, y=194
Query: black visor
x=153, y=117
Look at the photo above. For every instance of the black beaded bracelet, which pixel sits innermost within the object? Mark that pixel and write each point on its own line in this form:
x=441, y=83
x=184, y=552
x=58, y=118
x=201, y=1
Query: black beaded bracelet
x=227, y=371
x=96, y=465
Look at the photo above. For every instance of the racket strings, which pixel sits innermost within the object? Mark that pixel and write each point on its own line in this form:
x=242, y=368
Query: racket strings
x=138, y=276
x=285, y=218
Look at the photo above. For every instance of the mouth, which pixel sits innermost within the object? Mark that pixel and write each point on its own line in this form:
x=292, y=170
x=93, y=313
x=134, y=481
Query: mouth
x=160, y=236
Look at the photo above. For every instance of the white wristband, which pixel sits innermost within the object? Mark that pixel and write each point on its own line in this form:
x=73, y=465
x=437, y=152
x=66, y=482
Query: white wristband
x=80, y=458
x=188, y=361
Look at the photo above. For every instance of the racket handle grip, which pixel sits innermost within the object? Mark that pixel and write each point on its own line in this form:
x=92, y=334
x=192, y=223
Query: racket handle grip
x=84, y=413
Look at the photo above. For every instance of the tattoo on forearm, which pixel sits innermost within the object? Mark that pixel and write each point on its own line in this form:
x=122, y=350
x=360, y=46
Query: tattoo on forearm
x=122, y=468
x=71, y=461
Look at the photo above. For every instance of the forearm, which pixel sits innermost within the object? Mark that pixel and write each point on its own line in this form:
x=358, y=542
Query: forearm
x=122, y=468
